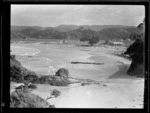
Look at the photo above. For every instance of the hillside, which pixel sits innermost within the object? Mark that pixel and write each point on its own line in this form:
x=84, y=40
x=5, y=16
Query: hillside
x=73, y=32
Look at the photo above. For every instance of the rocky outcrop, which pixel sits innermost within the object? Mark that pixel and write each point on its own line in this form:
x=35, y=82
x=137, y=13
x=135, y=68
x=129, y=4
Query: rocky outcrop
x=136, y=53
x=53, y=80
x=63, y=74
x=22, y=75
x=61, y=78
x=18, y=72
x=21, y=96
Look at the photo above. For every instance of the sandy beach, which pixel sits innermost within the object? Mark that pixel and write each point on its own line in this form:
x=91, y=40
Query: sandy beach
x=120, y=90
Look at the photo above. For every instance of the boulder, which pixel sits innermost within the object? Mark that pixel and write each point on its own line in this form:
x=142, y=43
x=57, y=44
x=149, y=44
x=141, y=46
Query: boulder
x=86, y=83
x=63, y=74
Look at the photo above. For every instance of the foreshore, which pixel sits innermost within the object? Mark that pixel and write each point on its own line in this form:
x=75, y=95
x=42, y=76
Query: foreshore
x=119, y=91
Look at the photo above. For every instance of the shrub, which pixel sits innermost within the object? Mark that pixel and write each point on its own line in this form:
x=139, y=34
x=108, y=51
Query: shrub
x=93, y=40
x=21, y=99
x=55, y=93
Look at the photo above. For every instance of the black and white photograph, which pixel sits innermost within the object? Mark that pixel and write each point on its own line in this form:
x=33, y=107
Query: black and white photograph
x=77, y=56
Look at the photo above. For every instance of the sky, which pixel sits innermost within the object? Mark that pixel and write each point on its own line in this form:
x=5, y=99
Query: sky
x=55, y=15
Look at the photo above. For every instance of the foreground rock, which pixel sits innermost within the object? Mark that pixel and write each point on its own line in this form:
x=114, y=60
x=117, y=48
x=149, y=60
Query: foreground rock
x=18, y=73
x=63, y=74
x=136, y=53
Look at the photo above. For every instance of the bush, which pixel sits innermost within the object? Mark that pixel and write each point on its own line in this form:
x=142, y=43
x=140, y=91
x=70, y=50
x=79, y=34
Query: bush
x=21, y=99
x=93, y=40
x=55, y=93
x=15, y=74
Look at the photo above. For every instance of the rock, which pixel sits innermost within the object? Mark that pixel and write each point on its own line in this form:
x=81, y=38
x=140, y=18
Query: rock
x=104, y=85
x=135, y=51
x=136, y=69
x=63, y=73
x=83, y=84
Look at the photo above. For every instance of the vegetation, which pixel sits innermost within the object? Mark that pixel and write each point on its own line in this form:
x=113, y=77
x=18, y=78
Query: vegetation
x=54, y=94
x=24, y=99
x=32, y=86
x=93, y=40
x=82, y=33
x=136, y=53
x=18, y=72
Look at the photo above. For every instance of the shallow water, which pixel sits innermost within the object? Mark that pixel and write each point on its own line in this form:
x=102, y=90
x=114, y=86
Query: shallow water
x=52, y=57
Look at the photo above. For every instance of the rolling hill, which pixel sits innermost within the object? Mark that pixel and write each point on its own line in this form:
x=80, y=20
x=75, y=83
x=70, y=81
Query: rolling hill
x=73, y=32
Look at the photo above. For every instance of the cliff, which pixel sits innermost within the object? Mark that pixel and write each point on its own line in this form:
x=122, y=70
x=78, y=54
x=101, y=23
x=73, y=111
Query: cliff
x=136, y=53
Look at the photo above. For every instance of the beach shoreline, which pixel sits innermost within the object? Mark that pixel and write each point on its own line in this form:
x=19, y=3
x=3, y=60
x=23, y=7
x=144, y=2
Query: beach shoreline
x=119, y=89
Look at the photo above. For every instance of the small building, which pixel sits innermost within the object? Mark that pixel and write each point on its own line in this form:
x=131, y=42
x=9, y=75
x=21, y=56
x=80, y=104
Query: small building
x=118, y=43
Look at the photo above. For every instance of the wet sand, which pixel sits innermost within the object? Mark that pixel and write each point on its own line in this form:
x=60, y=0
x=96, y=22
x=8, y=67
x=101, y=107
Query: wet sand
x=120, y=91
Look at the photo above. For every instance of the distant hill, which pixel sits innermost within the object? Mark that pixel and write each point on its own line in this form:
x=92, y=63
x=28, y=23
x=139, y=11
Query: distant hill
x=73, y=32
x=65, y=28
x=20, y=28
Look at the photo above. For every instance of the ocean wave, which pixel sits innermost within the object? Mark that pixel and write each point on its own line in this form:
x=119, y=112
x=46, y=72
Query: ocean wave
x=24, y=51
x=51, y=68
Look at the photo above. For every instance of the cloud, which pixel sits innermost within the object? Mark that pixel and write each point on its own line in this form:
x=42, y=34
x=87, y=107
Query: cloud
x=54, y=15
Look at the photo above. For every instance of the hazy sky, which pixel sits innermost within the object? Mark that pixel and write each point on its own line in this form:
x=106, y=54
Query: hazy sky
x=54, y=15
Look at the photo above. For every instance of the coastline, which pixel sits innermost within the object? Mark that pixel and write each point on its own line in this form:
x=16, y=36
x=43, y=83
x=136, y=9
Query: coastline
x=97, y=96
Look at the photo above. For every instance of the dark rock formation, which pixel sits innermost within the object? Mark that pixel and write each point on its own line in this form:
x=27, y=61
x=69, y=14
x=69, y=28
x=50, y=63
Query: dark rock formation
x=83, y=84
x=53, y=80
x=22, y=75
x=63, y=74
x=136, y=53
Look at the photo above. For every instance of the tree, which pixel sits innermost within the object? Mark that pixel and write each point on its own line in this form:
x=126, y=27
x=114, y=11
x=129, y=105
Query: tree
x=93, y=40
